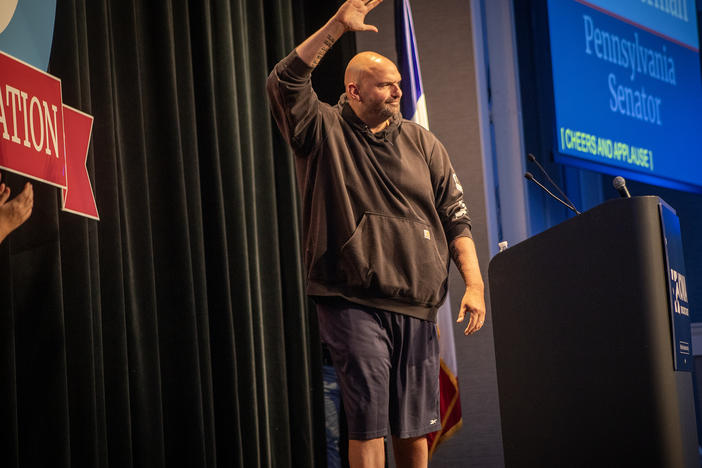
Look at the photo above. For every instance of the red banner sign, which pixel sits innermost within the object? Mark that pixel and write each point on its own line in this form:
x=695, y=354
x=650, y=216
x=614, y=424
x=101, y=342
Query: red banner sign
x=42, y=138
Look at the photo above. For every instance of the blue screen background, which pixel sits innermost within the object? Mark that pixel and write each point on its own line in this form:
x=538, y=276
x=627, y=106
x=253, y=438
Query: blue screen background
x=583, y=95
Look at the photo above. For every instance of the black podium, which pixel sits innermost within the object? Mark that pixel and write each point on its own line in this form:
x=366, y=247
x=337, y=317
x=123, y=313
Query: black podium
x=584, y=347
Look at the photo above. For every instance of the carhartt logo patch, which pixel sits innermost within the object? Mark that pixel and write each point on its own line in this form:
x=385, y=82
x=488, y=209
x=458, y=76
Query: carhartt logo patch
x=427, y=234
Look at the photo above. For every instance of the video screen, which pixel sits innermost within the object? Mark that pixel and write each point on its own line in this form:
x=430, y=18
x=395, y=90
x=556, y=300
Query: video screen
x=627, y=88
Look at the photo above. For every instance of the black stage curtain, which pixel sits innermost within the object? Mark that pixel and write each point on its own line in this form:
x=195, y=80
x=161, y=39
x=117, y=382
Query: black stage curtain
x=174, y=331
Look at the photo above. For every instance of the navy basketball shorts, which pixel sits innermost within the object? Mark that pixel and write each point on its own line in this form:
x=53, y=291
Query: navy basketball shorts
x=388, y=369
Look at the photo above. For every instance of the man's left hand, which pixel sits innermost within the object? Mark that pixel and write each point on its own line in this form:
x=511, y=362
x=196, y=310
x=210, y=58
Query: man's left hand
x=473, y=305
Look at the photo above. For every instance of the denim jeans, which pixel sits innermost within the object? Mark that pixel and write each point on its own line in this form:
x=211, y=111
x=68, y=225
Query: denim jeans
x=332, y=398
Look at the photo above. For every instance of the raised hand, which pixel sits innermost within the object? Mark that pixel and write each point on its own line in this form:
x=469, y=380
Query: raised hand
x=352, y=15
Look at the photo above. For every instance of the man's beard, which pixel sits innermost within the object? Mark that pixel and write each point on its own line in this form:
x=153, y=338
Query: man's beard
x=386, y=109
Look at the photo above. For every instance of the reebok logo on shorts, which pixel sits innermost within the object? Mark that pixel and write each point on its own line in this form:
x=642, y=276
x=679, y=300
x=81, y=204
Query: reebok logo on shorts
x=433, y=421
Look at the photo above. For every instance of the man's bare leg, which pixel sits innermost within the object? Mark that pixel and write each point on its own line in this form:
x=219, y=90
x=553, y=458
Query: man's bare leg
x=367, y=453
x=411, y=453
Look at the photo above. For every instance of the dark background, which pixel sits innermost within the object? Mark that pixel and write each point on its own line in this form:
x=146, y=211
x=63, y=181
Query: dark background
x=174, y=331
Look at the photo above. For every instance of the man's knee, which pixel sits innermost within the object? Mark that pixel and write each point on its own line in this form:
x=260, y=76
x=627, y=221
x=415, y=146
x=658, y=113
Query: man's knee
x=367, y=453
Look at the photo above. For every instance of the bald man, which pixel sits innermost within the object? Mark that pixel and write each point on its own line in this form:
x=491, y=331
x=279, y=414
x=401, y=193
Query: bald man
x=16, y=211
x=383, y=212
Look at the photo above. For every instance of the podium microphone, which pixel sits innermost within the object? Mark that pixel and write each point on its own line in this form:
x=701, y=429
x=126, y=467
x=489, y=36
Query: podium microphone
x=620, y=184
x=530, y=176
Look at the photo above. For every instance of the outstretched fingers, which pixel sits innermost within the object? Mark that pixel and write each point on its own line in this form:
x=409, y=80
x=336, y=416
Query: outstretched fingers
x=352, y=14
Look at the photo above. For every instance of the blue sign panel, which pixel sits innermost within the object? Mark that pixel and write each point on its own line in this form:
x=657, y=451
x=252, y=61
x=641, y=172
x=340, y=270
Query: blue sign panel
x=27, y=30
x=677, y=289
x=674, y=20
x=627, y=88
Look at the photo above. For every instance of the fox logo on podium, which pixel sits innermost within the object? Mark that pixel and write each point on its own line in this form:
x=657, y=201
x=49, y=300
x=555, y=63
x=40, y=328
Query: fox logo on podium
x=679, y=293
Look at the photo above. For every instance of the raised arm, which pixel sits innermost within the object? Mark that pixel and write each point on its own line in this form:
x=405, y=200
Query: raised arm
x=293, y=102
x=349, y=17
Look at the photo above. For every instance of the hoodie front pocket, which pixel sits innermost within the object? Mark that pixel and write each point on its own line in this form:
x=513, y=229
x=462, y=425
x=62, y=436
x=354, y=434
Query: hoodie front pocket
x=394, y=257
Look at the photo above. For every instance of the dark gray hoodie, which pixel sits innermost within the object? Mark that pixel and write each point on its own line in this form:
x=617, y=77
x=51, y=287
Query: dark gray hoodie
x=378, y=209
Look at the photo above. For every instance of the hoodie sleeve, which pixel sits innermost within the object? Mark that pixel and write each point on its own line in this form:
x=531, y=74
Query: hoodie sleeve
x=294, y=103
x=448, y=195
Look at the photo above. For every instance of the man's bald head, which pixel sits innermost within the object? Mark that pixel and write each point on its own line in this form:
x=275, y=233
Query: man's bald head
x=367, y=62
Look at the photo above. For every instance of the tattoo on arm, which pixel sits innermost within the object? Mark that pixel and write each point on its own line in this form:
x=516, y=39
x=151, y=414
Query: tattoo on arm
x=328, y=42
